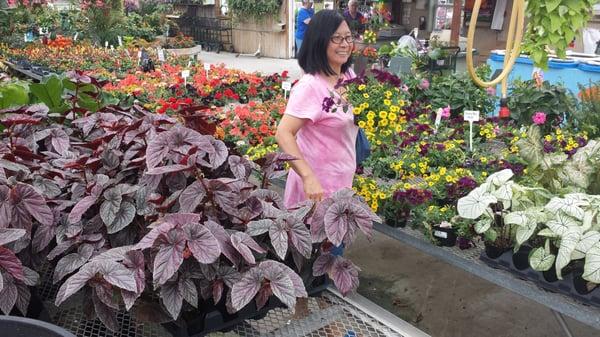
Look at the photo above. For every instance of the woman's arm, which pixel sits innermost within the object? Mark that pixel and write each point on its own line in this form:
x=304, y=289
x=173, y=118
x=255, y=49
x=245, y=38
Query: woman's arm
x=286, y=138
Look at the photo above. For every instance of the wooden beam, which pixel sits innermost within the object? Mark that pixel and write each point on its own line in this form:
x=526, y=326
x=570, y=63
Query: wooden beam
x=456, y=18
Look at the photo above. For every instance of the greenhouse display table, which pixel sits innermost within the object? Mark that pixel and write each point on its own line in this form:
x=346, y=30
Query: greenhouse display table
x=469, y=261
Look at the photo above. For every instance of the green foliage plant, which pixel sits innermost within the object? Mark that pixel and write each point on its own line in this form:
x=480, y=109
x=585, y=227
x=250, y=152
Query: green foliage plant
x=554, y=24
x=254, y=9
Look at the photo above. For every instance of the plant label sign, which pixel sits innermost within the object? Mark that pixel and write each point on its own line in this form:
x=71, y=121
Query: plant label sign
x=471, y=115
x=206, y=68
x=139, y=56
x=120, y=41
x=440, y=234
x=75, y=37
x=106, y=44
x=185, y=74
x=161, y=54
x=438, y=118
x=286, y=86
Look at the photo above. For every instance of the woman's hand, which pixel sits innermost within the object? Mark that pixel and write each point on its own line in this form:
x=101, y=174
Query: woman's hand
x=312, y=188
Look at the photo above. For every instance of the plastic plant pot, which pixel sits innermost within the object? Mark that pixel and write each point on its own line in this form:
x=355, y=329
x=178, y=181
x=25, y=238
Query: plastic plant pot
x=26, y=327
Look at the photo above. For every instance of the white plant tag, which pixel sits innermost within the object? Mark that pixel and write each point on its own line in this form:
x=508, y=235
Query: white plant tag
x=120, y=41
x=471, y=115
x=161, y=54
x=440, y=234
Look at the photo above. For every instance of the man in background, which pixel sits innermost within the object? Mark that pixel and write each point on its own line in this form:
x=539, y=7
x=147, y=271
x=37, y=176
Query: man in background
x=305, y=13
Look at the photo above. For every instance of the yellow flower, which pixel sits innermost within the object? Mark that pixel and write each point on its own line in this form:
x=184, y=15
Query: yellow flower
x=484, y=174
x=394, y=108
x=362, y=124
x=413, y=166
x=392, y=116
x=370, y=115
x=558, y=131
x=371, y=122
x=383, y=122
x=387, y=102
x=365, y=95
x=388, y=94
x=548, y=138
x=383, y=114
x=483, y=160
x=442, y=171
x=362, y=87
x=406, y=186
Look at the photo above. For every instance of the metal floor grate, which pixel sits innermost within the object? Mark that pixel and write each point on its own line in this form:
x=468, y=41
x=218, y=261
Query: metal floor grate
x=329, y=316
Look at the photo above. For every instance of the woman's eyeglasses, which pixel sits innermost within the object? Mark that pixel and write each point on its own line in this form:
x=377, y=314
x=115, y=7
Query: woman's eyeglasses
x=338, y=39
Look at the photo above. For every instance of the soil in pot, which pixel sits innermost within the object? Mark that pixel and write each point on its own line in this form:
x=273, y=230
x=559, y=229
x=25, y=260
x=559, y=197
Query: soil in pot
x=521, y=258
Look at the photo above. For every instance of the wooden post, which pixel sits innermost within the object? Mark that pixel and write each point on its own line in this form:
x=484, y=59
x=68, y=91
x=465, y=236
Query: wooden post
x=456, y=18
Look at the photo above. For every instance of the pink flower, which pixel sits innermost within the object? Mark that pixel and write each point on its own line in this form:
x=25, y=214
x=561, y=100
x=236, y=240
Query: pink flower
x=424, y=84
x=539, y=118
x=446, y=112
x=491, y=91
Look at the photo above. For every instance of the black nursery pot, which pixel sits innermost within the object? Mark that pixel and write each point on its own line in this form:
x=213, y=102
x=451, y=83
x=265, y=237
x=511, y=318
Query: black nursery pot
x=521, y=258
x=494, y=252
x=580, y=284
x=550, y=275
x=26, y=327
x=445, y=236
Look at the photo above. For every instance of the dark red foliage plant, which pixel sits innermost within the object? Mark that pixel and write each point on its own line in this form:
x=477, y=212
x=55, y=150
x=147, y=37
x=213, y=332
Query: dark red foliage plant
x=136, y=210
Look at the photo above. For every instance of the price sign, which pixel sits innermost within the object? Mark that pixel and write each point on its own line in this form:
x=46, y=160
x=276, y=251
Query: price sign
x=286, y=86
x=112, y=47
x=438, y=118
x=105, y=44
x=185, y=74
x=75, y=37
x=471, y=116
x=120, y=41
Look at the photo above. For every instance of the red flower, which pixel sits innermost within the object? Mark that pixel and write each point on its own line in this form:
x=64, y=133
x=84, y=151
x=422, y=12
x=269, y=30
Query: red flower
x=162, y=110
x=218, y=95
x=252, y=104
x=264, y=129
x=284, y=74
x=188, y=101
x=174, y=106
x=172, y=100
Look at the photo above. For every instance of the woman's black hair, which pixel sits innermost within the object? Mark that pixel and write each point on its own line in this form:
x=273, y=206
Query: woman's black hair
x=313, y=52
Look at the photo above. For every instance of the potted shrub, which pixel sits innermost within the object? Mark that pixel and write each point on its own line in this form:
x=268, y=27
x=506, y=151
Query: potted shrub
x=131, y=207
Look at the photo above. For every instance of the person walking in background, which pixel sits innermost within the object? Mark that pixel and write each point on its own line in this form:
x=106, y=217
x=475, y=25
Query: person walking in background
x=355, y=19
x=305, y=14
x=323, y=142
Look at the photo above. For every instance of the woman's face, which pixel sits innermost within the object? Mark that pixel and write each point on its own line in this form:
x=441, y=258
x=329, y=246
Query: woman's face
x=339, y=53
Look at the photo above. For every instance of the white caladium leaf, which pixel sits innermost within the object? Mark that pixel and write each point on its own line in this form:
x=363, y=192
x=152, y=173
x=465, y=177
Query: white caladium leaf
x=591, y=269
x=504, y=193
x=483, y=225
x=561, y=224
x=525, y=231
x=570, y=206
x=475, y=203
x=516, y=218
x=588, y=240
x=568, y=242
x=588, y=219
x=540, y=259
x=547, y=232
x=500, y=178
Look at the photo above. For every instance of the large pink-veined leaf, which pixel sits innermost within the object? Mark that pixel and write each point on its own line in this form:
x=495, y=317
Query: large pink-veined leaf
x=258, y=227
x=263, y=296
x=106, y=314
x=47, y=187
x=299, y=288
x=104, y=291
x=181, y=219
x=188, y=289
x=11, y=263
x=111, y=205
x=202, y=243
x=167, y=169
x=323, y=264
x=23, y=298
x=148, y=240
x=80, y=208
x=344, y=275
x=5, y=208
x=31, y=277
x=243, y=242
x=72, y=262
x=279, y=238
x=116, y=274
x=157, y=149
x=363, y=217
x=246, y=288
x=219, y=155
x=172, y=298
x=27, y=197
x=60, y=141
x=237, y=166
x=8, y=235
x=74, y=283
x=169, y=256
x=221, y=193
x=192, y=196
x=8, y=295
x=336, y=222
x=217, y=290
x=300, y=237
x=280, y=283
x=123, y=217
x=317, y=221
x=224, y=241
x=270, y=197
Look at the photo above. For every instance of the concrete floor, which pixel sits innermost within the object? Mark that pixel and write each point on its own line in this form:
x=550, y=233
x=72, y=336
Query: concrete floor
x=437, y=298
x=445, y=301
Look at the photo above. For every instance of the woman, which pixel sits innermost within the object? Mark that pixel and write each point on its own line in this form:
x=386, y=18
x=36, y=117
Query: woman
x=323, y=142
x=354, y=18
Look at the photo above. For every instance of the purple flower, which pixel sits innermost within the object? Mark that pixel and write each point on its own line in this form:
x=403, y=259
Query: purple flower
x=446, y=112
x=548, y=147
x=539, y=118
x=491, y=91
x=328, y=102
x=424, y=84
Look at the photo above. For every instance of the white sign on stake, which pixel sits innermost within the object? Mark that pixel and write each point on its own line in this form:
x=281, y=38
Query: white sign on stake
x=161, y=54
x=185, y=74
x=438, y=118
x=206, y=68
x=75, y=37
x=286, y=86
x=120, y=41
x=471, y=116
x=112, y=47
x=106, y=44
x=139, y=56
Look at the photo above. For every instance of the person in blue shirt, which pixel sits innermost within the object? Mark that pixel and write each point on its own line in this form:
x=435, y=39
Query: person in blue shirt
x=305, y=13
